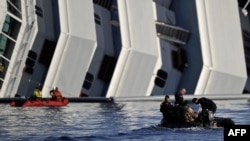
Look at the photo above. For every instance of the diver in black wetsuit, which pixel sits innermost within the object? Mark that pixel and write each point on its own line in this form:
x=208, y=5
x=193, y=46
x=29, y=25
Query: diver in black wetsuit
x=166, y=108
x=208, y=109
x=206, y=104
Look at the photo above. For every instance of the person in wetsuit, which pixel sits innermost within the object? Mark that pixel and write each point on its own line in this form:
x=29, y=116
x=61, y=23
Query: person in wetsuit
x=208, y=109
x=179, y=100
x=206, y=104
x=166, y=108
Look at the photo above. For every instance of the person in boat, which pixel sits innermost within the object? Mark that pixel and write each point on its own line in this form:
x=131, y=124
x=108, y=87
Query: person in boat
x=166, y=108
x=37, y=93
x=179, y=100
x=56, y=94
x=208, y=109
x=178, y=115
x=206, y=104
x=189, y=114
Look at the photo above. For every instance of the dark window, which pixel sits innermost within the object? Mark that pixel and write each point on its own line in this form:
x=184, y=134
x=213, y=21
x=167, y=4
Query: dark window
x=107, y=68
x=28, y=70
x=86, y=85
x=179, y=59
x=14, y=6
x=32, y=55
x=88, y=81
x=39, y=11
x=47, y=53
x=161, y=78
x=159, y=82
x=11, y=27
x=4, y=64
x=97, y=19
x=246, y=41
x=162, y=74
x=104, y=3
x=30, y=62
x=6, y=46
x=89, y=77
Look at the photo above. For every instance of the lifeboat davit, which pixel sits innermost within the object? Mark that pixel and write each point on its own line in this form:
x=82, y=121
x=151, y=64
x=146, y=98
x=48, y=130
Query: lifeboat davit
x=39, y=103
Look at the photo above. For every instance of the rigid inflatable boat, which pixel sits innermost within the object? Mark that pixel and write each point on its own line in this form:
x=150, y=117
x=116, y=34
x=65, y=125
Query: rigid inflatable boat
x=38, y=102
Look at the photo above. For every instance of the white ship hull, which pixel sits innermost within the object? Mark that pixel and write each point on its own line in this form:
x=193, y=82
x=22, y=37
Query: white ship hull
x=123, y=48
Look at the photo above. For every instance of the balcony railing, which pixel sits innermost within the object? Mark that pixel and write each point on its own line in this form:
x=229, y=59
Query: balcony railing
x=172, y=33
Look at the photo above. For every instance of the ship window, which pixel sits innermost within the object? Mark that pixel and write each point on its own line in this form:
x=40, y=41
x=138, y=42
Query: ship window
x=4, y=63
x=39, y=11
x=1, y=83
x=32, y=55
x=179, y=59
x=161, y=78
x=6, y=46
x=88, y=81
x=89, y=77
x=14, y=6
x=11, y=27
x=159, y=82
x=162, y=74
x=86, y=85
x=97, y=19
x=104, y=3
x=107, y=68
x=47, y=53
x=30, y=62
x=3, y=42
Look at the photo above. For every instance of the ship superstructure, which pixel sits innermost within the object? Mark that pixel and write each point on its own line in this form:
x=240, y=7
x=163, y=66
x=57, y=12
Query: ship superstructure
x=122, y=48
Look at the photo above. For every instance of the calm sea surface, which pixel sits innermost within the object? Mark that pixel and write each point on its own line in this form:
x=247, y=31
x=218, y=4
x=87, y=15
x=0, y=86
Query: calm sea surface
x=123, y=121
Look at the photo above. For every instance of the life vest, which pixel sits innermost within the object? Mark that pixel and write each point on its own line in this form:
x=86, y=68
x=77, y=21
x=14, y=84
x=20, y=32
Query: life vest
x=37, y=93
x=57, y=95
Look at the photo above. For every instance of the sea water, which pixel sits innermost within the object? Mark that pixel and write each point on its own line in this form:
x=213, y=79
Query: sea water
x=124, y=121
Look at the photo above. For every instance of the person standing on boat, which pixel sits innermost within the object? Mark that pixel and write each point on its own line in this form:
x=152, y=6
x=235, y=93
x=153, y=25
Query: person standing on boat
x=179, y=100
x=56, y=94
x=37, y=93
x=166, y=108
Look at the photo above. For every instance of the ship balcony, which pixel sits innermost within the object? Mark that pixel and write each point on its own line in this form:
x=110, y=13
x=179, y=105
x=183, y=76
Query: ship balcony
x=172, y=33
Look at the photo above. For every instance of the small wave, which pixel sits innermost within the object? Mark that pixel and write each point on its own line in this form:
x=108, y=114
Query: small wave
x=158, y=127
x=61, y=138
x=87, y=137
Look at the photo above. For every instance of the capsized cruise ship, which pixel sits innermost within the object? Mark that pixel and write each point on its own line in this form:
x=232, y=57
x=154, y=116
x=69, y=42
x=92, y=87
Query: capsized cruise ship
x=124, y=48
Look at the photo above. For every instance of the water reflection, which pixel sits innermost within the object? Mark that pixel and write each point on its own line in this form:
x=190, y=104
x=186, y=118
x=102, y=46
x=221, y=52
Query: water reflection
x=104, y=121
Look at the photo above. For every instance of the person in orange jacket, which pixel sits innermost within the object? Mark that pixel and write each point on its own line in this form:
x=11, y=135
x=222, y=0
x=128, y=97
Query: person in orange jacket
x=56, y=94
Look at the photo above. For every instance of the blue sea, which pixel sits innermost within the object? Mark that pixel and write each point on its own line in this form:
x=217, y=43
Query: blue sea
x=123, y=121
